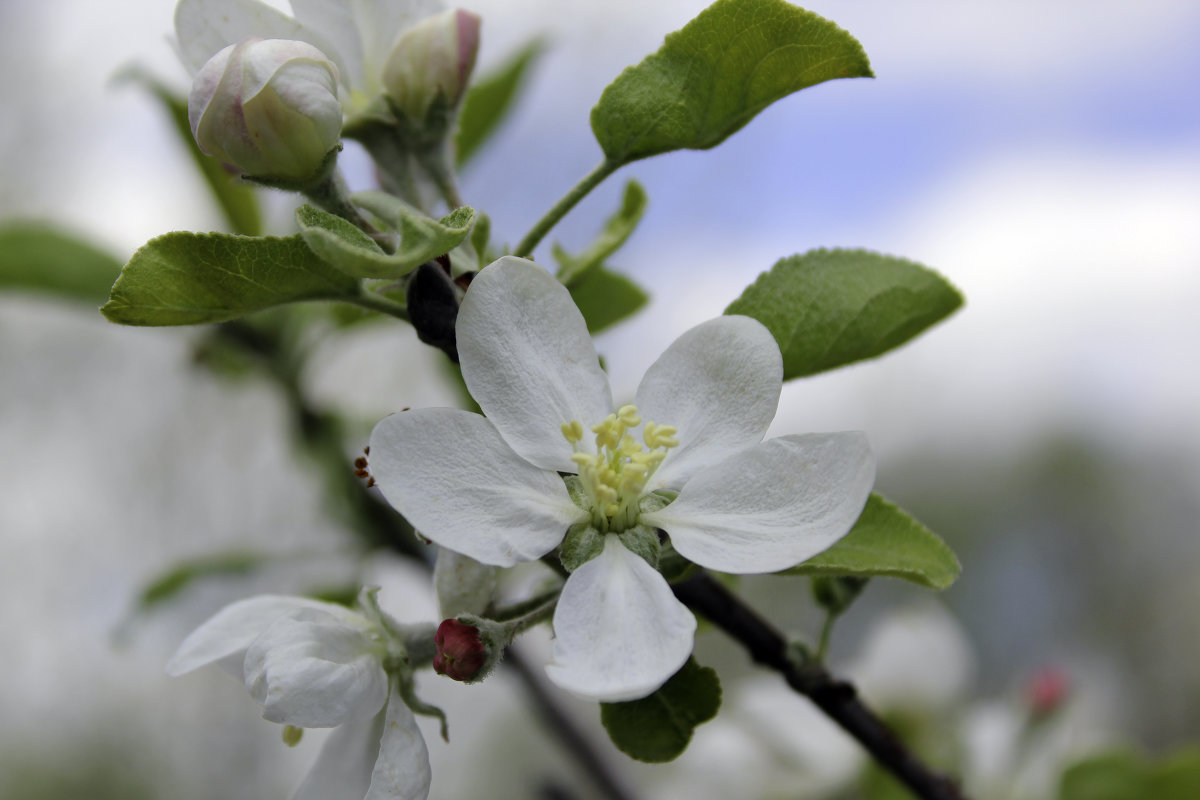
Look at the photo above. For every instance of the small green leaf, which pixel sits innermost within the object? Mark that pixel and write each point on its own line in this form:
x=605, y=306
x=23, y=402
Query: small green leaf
x=40, y=258
x=828, y=308
x=617, y=229
x=713, y=76
x=238, y=201
x=490, y=100
x=345, y=247
x=192, y=278
x=605, y=298
x=181, y=576
x=887, y=542
x=658, y=728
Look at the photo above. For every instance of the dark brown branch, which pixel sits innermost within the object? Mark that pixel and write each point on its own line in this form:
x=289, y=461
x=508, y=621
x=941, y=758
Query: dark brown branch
x=837, y=698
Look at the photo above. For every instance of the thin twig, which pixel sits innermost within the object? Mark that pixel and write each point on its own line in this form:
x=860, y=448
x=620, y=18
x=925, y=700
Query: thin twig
x=838, y=699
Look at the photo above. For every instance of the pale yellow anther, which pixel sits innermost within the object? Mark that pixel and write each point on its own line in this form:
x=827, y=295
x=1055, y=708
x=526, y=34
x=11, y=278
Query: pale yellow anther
x=572, y=431
x=629, y=416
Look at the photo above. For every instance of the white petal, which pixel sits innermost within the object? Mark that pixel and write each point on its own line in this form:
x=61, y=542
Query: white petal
x=343, y=769
x=772, y=506
x=204, y=27
x=231, y=630
x=459, y=484
x=363, y=31
x=402, y=769
x=619, y=631
x=529, y=361
x=313, y=670
x=462, y=584
x=719, y=384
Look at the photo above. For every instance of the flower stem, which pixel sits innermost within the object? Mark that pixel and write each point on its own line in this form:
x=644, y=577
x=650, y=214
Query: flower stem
x=838, y=699
x=374, y=302
x=568, y=201
x=332, y=195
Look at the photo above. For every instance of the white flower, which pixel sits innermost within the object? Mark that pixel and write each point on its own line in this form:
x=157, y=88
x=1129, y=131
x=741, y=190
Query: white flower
x=319, y=665
x=356, y=35
x=490, y=487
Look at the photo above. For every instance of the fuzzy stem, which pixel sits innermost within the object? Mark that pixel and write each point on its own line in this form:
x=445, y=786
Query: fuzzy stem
x=559, y=210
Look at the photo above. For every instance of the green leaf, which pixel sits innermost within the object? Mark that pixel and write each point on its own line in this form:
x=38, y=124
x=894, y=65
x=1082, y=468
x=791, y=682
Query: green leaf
x=40, y=258
x=490, y=100
x=828, y=308
x=713, y=76
x=658, y=728
x=605, y=298
x=238, y=201
x=192, y=278
x=345, y=247
x=1111, y=776
x=178, y=578
x=887, y=542
x=617, y=229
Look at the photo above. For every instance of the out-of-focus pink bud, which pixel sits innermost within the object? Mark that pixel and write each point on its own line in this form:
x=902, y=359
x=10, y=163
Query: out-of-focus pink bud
x=461, y=653
x=431, y=59
x=1046, y=691
x=268, y=107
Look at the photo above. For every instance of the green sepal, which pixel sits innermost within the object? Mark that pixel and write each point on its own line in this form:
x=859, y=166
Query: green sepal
x=887, y=542
x=605, y=298
x=643, y=541
x=577, y=492
x=658, y=728
x=581, y=544
x=351, y=251
x=617, y=229
x=193, y=278
x=717, y=73
x=40, y=258
x=490, y=100
x=829, y=308
x=480, y=239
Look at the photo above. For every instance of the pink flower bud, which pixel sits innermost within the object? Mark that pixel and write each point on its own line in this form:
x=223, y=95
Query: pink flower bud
x=1046, y=691
x=269, y=107
x=431, y=59
x=461, y=653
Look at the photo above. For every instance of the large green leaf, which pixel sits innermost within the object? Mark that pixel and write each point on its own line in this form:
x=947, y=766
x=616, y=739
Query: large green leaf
x=605, y=298
x=38, y=257
x=1123, y=775
x=616, y=230
x=345, y=247
x=658, y=728
x=238, y=200
x=191, y=278
x=490, y=100
x=887, y=542
x=715, y=74
x=828, y=308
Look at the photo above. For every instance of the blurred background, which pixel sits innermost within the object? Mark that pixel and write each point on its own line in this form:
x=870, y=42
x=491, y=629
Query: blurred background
x=1043, y=157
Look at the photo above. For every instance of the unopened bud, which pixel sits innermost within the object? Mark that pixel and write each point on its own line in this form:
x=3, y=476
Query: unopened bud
x=432, y=59
x=461, y=653
x=1046, y=692
x=269, y=107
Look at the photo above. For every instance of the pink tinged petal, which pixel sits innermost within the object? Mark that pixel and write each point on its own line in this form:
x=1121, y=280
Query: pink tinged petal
x=226, y=635
x=719, y=385
x=529, y=361
x=402, y=769
x=459, y=484
x=619, y=631
x=343, y=769
x=772, y=506
x=313, y=670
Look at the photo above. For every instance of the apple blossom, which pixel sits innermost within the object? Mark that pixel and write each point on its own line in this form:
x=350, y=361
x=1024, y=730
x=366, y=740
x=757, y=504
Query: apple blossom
x=356, y=35
x=268, y=107
x=430, y=61
x=321, y=665
x=490, y=487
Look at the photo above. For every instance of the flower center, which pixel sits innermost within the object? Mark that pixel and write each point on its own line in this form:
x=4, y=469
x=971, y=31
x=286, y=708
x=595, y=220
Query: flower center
x=615, y=477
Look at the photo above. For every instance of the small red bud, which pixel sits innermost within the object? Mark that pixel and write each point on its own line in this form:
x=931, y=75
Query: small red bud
x=1046, y=691
x=461, y=654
